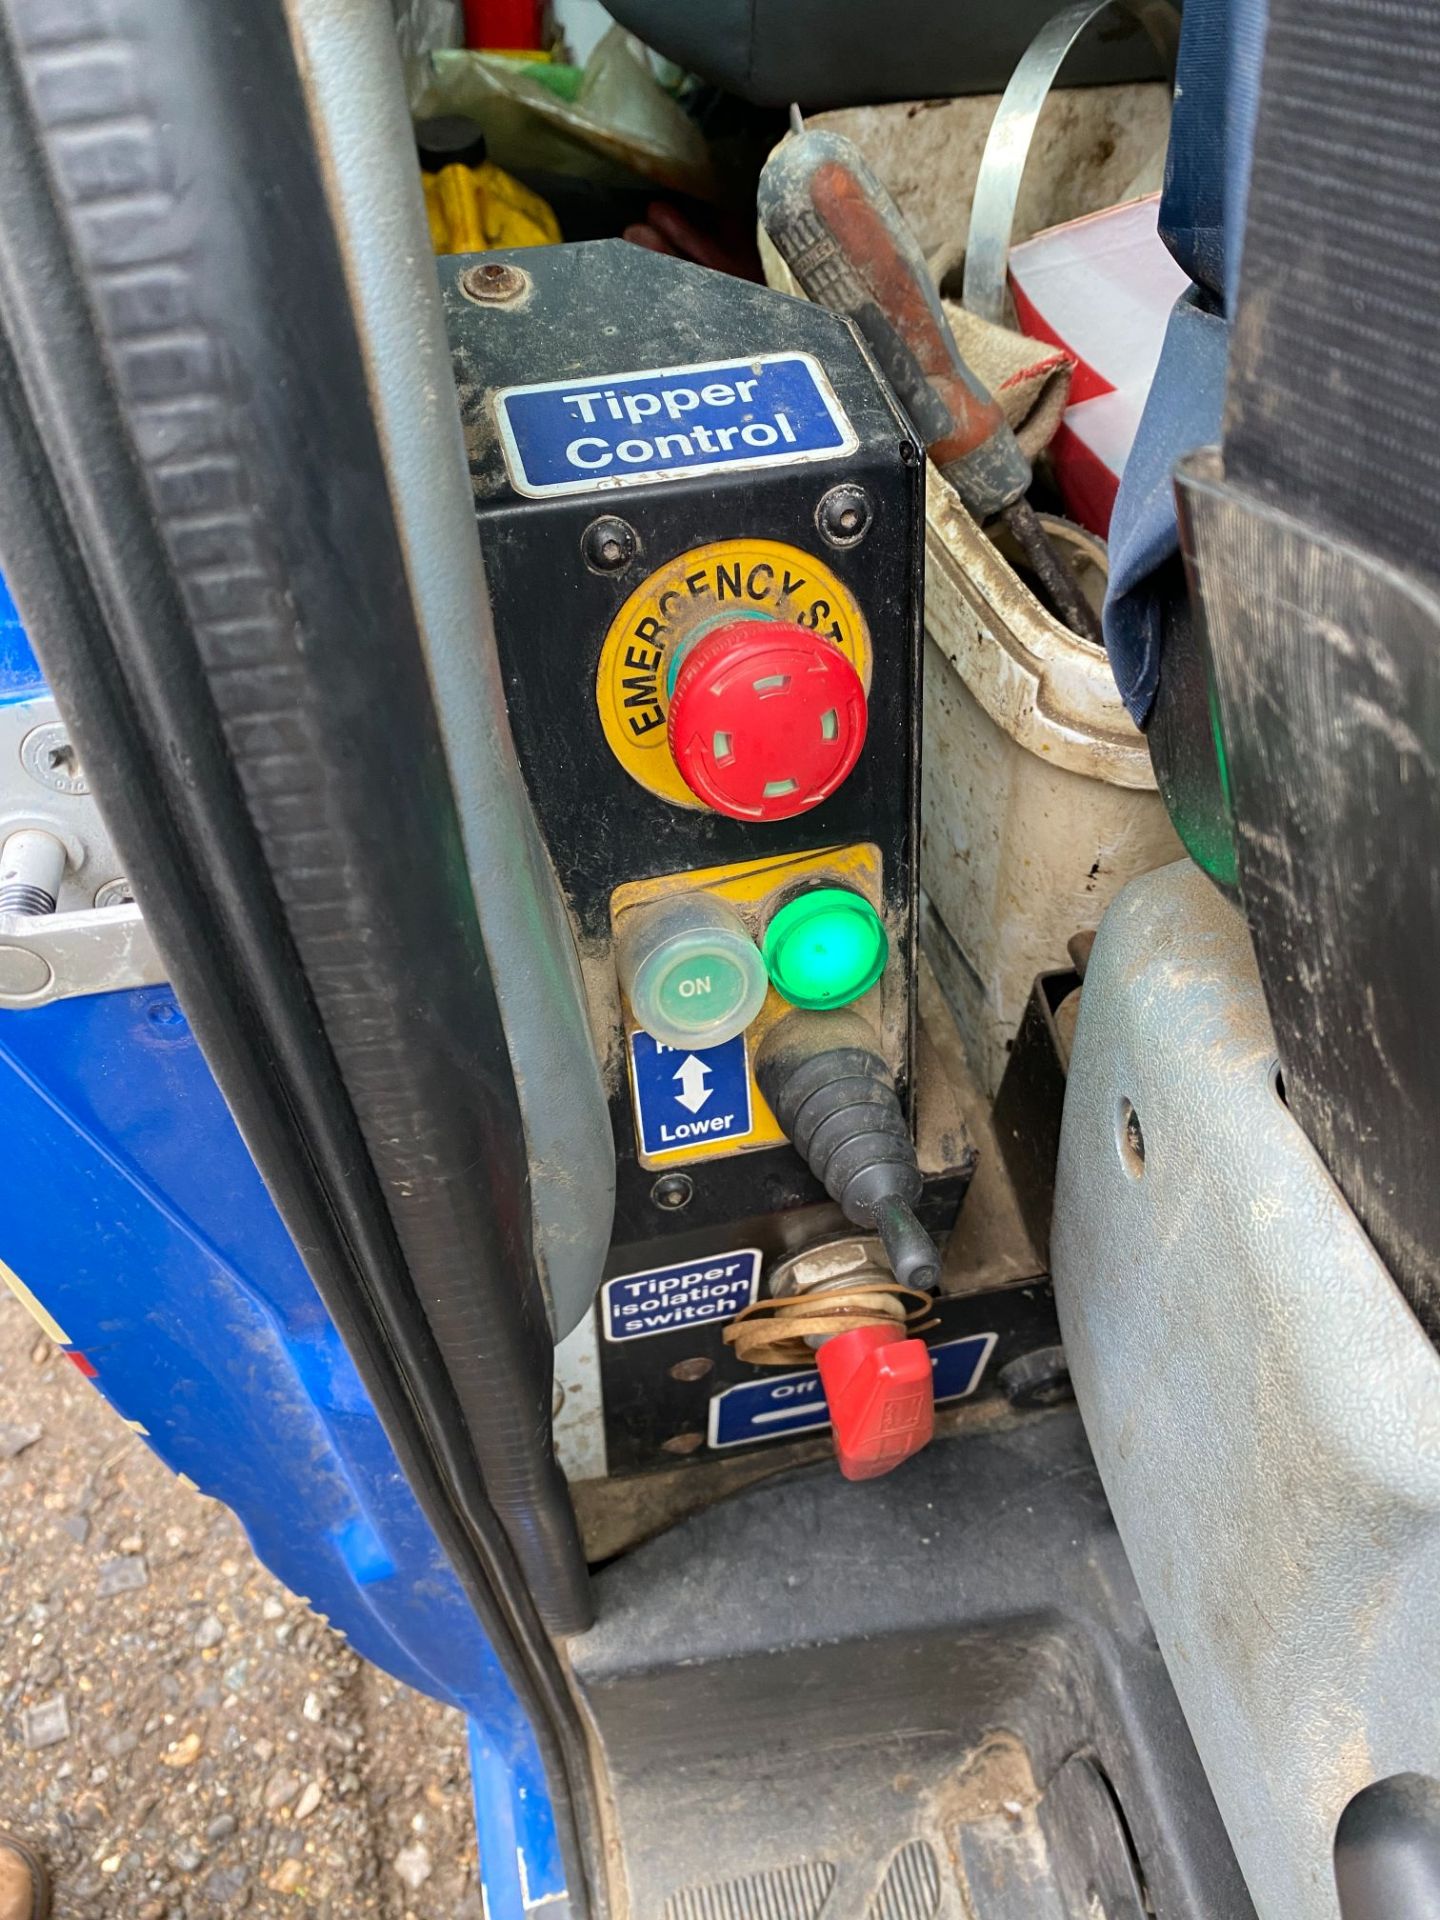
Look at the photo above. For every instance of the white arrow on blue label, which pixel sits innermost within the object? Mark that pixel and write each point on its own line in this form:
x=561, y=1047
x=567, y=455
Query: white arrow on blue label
x=692, y=1073
x=780, y=1406
x=685, y=1099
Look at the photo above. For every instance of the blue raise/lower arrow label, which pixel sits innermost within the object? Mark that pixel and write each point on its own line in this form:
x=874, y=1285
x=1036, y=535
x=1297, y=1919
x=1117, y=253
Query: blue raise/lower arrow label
x=685, y=1099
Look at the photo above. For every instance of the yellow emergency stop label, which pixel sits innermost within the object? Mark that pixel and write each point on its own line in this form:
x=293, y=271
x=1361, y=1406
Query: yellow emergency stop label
x=750, y=578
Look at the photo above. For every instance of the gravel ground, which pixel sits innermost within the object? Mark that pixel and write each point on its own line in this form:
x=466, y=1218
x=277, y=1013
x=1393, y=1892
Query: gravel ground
x=181, y=1735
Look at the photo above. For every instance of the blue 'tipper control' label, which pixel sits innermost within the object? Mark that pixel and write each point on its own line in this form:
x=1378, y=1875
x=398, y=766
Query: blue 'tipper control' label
x=577, y=436
x=689, y=1294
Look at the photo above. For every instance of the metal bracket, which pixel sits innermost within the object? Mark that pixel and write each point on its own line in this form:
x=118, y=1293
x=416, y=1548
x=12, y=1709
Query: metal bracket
x=96, y=941
x=57, y=956
x=1002, y=165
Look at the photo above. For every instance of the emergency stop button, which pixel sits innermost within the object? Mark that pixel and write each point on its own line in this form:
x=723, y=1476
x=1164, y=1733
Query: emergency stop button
x=766, y=719
x=692, y=974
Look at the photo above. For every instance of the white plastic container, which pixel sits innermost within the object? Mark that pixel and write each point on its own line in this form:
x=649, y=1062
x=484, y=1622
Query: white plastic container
x=1037, y=798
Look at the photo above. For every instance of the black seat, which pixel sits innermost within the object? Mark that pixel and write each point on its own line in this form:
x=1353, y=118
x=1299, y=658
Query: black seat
x=838, y=53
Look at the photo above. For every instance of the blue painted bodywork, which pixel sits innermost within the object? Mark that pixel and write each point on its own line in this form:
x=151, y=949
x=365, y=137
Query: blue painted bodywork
x=133, y=1212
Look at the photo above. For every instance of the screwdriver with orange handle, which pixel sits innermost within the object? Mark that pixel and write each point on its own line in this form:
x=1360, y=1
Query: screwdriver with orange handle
x=848, y=245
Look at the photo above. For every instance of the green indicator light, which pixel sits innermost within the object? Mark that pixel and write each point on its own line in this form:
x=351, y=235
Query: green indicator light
x=825, y=949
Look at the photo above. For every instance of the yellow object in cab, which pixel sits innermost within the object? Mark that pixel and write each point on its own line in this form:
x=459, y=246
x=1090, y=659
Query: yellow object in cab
x=473, y=208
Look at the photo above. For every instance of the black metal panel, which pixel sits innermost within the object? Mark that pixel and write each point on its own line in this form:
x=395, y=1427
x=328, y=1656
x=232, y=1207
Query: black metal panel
x=653, y=1415
x=601, y=826
x=1333, y=401
x=609, y=307
x=1317, y=561
x=1325, y=667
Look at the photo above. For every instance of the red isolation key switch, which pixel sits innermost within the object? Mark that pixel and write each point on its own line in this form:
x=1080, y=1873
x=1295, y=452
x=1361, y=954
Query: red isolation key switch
x=880, y=1389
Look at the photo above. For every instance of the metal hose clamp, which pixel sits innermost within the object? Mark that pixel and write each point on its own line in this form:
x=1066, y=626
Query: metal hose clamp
x=1002, y=166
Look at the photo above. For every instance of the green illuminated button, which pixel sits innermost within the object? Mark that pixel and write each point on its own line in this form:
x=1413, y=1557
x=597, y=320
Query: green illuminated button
x=692, y=974
x=826, y=948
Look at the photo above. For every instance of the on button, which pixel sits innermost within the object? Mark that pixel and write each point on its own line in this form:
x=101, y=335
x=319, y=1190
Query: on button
x=692, y=974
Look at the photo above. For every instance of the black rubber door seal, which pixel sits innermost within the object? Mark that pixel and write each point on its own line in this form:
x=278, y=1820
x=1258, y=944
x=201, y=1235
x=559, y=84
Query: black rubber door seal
x=200, y=537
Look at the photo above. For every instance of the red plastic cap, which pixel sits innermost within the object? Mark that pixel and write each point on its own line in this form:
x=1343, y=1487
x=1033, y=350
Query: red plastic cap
x=766, y=719
x=880, y=1388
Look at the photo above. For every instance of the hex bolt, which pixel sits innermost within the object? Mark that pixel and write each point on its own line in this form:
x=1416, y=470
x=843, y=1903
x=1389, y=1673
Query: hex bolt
x=609, y=544
x=1040, y=1378
x=844, y=515
x=493, y=283
x=32, y=865
x=672, y=1191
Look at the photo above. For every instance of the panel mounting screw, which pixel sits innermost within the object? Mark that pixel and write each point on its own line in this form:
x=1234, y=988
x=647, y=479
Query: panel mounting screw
x=168, y=1022
x=844, y=515
x=672, y=1191
x=493, y=282
x=688, y=1371
x=47, y=755
x=609, y=544
x=115, y=893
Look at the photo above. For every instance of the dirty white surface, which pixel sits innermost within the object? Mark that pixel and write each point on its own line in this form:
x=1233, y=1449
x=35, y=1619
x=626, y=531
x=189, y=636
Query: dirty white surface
x=178, y=1734
x=1092, y=147
x=1263, y=1406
